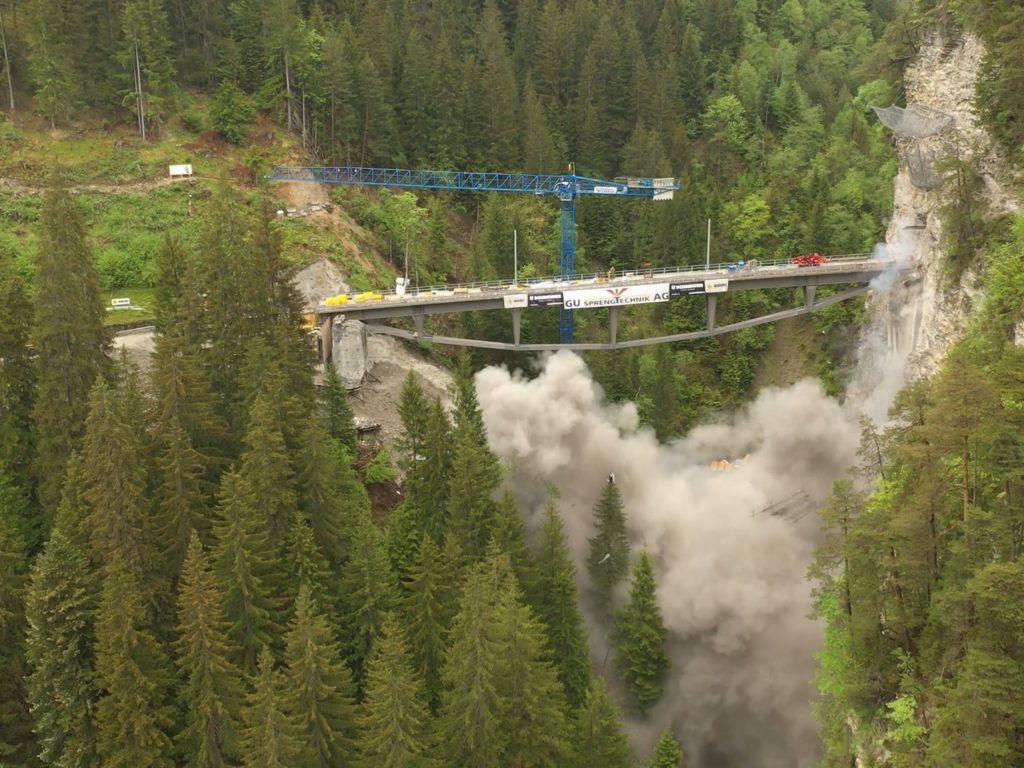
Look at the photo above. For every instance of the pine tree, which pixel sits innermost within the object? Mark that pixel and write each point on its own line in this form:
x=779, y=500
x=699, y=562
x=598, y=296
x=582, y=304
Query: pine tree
x=271, y=738
x=557, y=607
x=667, y=754
x=510, y=537
x=73, y=341
x=267, y=473
x=116, y=492
x=307, y=564
x=470, y=725
x=640, y=634
x=427, y=481
x=146, y=52
x=429, y=607
x=395, y=723
x=16, y=742
x=132, y=717
x=474, y=478
x=60, y=608
x=240, y=560
x=50, y=38
x=17, y=385
x=369, y=593
x=608, y=562
x=533, y=702
x=181, y=505
x=320, y=689
x=337, y=411
x=212, y=691
x=597, y=731
x=412, y=408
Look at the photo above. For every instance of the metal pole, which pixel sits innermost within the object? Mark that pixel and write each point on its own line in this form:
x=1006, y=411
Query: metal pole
x=515, y=257
x=707, y=264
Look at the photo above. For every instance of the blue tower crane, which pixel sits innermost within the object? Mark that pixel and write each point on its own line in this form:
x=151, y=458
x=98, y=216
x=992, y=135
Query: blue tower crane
x=567, y=187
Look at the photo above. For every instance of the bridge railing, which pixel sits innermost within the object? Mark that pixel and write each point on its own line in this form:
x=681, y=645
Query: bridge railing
x=732, y=270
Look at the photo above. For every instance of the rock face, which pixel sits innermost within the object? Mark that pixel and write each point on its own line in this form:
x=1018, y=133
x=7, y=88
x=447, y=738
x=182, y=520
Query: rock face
x=941, y=78
x=349, y=351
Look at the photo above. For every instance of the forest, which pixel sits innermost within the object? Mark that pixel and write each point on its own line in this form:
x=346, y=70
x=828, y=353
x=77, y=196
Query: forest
x=191, y=569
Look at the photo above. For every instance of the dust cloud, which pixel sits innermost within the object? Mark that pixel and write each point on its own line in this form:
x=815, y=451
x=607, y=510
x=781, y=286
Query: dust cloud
x=731, y=546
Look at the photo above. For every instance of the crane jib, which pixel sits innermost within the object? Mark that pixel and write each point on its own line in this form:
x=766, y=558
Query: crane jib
x=564, y=186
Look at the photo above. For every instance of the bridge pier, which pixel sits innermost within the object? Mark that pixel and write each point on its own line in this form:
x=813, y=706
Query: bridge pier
x=349, y=354
x=326, y=342
x=809, y=296
x=417, y=321
x=613, y=323
x=712, y=303
x=517, y=316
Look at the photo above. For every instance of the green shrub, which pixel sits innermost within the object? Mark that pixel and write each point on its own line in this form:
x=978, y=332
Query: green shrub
x=380, y=470
x=193, y=120
x=231, y=111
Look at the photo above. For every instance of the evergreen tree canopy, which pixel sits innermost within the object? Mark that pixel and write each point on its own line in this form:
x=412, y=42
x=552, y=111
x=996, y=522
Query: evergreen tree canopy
x=640, y=648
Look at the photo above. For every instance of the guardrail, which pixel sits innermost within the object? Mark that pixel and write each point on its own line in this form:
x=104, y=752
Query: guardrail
x=450, y=291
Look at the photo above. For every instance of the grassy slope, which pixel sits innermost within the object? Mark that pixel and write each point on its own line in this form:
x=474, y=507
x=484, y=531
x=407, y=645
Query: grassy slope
x=131, y=205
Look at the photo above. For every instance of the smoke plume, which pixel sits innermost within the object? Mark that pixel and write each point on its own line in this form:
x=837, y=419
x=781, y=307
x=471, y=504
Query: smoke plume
x=731, y=576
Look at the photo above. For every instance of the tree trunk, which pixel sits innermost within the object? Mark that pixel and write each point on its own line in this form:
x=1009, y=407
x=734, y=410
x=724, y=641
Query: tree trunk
x=7, y=61
x=138, y=94
x=288, y=90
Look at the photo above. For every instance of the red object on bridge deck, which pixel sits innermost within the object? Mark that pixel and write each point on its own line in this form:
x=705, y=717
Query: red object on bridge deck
x=809, y=260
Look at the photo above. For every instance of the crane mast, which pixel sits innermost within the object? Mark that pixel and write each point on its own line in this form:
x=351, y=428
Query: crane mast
x=567, y=187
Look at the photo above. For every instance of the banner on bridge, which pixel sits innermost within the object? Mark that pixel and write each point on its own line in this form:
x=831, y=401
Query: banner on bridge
x=616, y=297
x=675, y=290
x=516, y=300
x=545, y=300
x=716, y=286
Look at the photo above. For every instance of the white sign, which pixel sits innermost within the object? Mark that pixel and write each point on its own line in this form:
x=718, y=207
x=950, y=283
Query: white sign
x=120, y=302
x=606, y=190
x=515, y=300
x=179, y=170
x=716, y=286
x=616, y=297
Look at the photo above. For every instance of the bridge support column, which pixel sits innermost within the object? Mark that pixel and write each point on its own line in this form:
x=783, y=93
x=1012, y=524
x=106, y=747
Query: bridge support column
x=349, y=353
x=712, y=302
x=417, y=320
x=808, y=295
x=517, y=316
x=326, y=341
x=613, y=323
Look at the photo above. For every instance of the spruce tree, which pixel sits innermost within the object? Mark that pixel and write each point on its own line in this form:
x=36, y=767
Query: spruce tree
x=181, y=504
x=667, y=754
x=16, y=742
x=470, y=724
x=510, y=536
x=412, y=408
x=597, y=735
x=608, y=562
x=307, y=565
x=429, y=607
x=60, y=608
x=533, y=701
x=640, y=638
x=557, y=607
x=240, y=559
x=267, y=473
x=72, y=342
x=115, y=476
x=212, y=690
x=319, y=689
x=395, y=724
x=427, y=481
x=271, y=738
x=337, y=412
x=474, y=478
x=132, y=717
x=368, y=594
x=17, y=384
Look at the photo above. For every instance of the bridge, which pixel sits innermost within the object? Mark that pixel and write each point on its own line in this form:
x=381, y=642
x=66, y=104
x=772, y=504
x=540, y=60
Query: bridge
x=598, y=290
